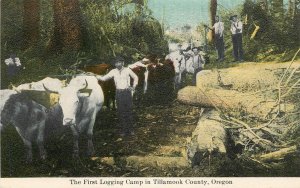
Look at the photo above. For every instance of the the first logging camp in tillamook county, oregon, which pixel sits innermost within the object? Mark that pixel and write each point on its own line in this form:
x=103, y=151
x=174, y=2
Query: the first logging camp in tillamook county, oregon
x=150, y=88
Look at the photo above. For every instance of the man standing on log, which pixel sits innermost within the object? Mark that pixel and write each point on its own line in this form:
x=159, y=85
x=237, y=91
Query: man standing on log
x=237, y=38
x=198, y=63
x=124, y=91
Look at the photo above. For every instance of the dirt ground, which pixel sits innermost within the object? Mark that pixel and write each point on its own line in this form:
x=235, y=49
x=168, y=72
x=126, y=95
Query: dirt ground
x=157, y=149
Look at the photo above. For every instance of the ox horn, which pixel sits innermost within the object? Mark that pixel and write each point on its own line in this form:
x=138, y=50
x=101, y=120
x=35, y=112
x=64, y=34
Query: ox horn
x=15, y=88
x=48, y=90
x=85, y=87
x=85, y=90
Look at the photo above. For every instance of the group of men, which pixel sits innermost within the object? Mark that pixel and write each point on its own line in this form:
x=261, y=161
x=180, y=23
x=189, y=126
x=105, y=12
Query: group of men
x=13, y=64
x=236, y=29
x=197, y=62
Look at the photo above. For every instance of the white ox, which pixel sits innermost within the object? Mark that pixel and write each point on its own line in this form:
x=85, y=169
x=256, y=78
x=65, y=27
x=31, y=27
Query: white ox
x=80, y=102
x=173, y=47
x=179, y=65
x=4, y=96
x=48, y=82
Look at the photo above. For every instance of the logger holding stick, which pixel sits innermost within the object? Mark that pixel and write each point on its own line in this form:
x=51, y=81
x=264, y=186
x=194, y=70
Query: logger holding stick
x=218, y=27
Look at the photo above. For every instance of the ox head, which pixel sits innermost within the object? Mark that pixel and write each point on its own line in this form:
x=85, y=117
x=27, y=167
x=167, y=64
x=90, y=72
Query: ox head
x=69, y=100
x=178, y=61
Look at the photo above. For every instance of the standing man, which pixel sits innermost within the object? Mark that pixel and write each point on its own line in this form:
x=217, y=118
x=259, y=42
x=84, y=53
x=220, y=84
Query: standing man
x=183, y=71
x=13, y=65
x=237, y=40
x=198, y=63
x=12, y=70
x=124, y=90
x=178, y=60
x=218, y=27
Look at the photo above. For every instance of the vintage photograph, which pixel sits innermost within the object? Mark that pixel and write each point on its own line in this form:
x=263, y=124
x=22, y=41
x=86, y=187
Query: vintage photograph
x=150, y=88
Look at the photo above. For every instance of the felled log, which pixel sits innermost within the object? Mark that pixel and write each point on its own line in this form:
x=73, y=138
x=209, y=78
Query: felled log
x=277, y=155
x=208, y=136
x=156, y=161
x=227, y=100
x=145, y=161
x=249, y=77
x=170, y=151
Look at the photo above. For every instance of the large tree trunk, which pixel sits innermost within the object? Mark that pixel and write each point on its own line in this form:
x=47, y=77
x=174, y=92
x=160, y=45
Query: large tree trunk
x=292, y=9
x=278, y=11
x=67, y=25
x=144, y=162
x=265, y=5
x=277, y=7
x=31, y=21
x=213, y=12
x=228, y=101
x=209, y=136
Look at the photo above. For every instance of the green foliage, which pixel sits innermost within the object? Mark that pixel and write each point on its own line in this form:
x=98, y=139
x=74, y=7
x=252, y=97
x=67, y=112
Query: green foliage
x=112, y=33
x=108, y=31
x=11, y=26
x=276, y=35
x=276, y=40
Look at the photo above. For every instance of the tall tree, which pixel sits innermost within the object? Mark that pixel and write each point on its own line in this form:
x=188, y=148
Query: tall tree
x=67, y=25
x=292, y=8
x=277, y=8
x=213, y=12
x=278, y=13
x=31, y=22
x=264, y=5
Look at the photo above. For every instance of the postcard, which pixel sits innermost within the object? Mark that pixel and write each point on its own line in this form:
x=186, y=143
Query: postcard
x=150, y=93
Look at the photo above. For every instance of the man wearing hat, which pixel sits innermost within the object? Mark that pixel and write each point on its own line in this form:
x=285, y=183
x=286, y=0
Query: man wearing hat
x=218, y=27
x=237, y=41
x=198, y=63
x=124, y=90
x=13, y=65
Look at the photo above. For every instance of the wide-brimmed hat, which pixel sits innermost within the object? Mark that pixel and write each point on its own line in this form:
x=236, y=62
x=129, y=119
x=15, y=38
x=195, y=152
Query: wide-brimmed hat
x=197, y=48
x=118, y=59
x=145, y=59
x=231, y=17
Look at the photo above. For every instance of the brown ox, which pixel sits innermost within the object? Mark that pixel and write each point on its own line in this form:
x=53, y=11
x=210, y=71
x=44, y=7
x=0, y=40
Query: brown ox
x=108, y=87
x=159, y=83
x=142, y=86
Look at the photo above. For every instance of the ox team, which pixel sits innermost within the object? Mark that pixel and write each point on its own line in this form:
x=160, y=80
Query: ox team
x=78, y=104
x=81, y=99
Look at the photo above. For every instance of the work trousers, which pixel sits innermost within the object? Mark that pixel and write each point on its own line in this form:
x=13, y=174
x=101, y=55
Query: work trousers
x=195, y=75
x=219, y=42
x=125, y=110
x=237, y=42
